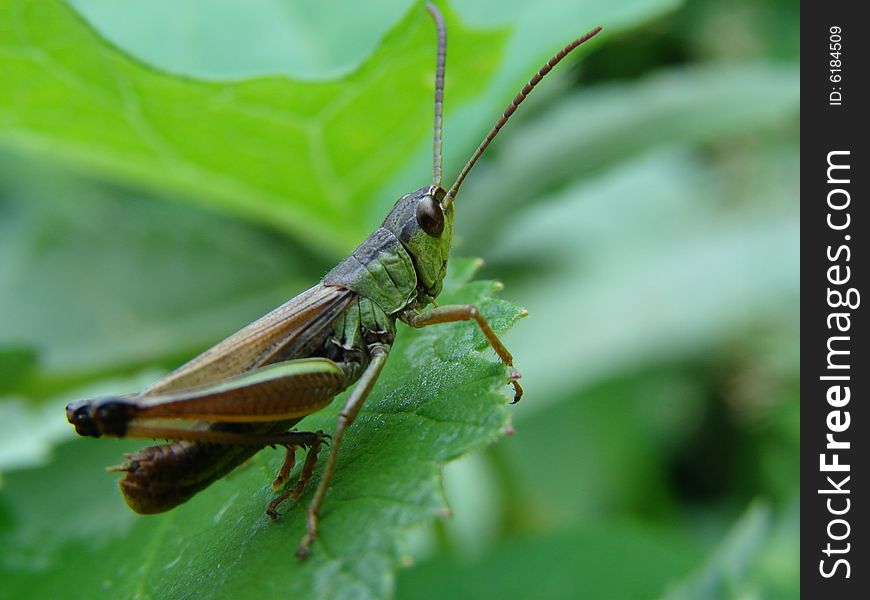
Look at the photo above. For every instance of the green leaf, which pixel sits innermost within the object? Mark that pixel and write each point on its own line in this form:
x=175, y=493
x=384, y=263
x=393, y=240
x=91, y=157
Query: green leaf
x=102, y=279
x=321, y=159
x=577, y=563
x=437, y=399
x=758, y=558
x=306, y=156
x=621, y=434
x=303, y=40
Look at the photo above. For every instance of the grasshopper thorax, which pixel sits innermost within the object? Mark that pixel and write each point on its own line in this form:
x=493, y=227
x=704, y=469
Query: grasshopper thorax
x=423, y=223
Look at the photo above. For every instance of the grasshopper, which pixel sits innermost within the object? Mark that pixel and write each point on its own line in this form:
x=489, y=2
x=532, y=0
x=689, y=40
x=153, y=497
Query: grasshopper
x=248, y=391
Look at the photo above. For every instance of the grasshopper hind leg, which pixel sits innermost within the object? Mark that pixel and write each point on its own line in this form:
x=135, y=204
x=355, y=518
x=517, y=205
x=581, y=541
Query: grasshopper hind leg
x=317, y=440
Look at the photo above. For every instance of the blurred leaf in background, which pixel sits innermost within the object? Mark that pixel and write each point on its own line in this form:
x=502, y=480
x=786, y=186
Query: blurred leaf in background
x=170, y=171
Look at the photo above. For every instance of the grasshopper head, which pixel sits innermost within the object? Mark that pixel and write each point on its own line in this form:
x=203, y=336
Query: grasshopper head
x=423, y=220
x=425, y=227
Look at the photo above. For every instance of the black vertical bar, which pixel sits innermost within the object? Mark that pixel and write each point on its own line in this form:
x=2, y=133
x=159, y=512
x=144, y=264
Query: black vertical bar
x=835, y=222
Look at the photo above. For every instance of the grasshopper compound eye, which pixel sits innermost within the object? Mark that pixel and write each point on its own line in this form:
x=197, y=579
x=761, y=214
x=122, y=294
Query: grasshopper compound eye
x=429, y=216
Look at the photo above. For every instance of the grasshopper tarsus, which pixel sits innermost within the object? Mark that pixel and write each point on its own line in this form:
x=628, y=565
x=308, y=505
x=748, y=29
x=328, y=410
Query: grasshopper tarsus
x=323, y=438
x=250, y=390
x=305, y=474
x=296, y=491
x=304, y=549
x=303, y=552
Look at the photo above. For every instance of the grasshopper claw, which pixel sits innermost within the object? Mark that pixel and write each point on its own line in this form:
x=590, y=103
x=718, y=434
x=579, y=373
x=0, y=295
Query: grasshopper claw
x=518, y=389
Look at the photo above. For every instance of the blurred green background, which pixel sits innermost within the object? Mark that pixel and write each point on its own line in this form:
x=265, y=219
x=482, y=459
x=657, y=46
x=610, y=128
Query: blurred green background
x=162, y=187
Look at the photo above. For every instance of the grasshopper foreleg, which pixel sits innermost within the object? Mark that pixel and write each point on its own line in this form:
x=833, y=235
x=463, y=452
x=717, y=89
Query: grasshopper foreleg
x=467, y=312
x=346, y=417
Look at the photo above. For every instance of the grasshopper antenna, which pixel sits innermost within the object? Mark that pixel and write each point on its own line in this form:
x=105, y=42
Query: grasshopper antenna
x=439, y=90
x=518, y=99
